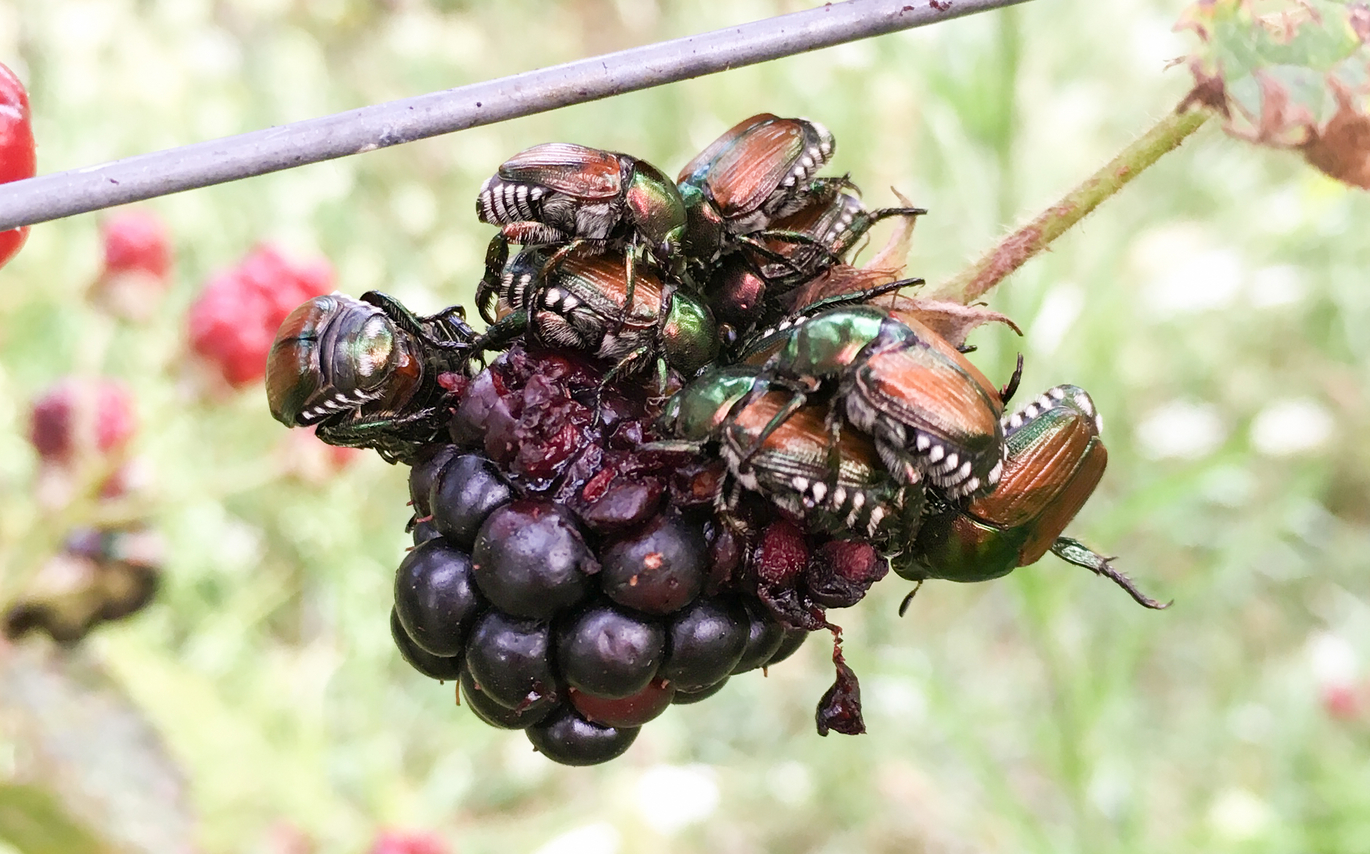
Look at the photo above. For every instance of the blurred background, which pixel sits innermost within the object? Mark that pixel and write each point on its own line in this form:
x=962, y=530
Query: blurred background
x=259, y=705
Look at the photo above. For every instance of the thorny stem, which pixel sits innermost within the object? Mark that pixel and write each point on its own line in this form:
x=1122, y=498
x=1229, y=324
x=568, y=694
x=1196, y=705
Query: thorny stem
x=1015, y=249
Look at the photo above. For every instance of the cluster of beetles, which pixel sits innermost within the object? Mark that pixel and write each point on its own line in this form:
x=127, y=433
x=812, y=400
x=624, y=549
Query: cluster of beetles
x=791, y=388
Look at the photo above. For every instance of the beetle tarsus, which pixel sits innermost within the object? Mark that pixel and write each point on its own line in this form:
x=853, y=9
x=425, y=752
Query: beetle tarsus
x=1006, y=393
x=1073, y=551
x=908, y=600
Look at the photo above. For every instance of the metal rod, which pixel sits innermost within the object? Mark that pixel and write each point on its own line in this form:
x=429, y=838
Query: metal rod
x=203, y=164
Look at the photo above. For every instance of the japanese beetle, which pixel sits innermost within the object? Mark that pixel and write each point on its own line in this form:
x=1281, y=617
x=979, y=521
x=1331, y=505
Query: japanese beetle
x=927, y=407
x=366, y=372
x=585, y=302
x=756, y=172
x=836, y=484
x=748, y=288
x=558, y=192
x=1054, y=461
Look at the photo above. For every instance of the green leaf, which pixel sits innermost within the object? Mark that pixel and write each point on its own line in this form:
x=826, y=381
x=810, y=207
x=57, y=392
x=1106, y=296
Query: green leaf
x=91, y=775
x=1291, y=74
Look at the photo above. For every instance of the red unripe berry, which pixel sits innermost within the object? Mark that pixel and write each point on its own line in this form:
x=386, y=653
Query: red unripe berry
x=136, y=241
x=1342, y=701
x=17, y=156
x=408, y=842
x=234, y=320
x=77, y=415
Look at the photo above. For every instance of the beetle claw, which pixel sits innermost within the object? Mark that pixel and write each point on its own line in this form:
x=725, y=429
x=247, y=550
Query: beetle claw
x=1006, y=393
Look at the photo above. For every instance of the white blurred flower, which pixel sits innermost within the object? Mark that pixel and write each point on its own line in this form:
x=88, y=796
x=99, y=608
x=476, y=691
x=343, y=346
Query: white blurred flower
x=1205, y=281
x=598, y=838
x=1292, y=426
x=791, y=783
x=1182, y=430
x=1252, y=723
x=1332, y=659
x=672, y=797
x=1272, y=287
x=895, y=698
x=1060, y=310
x=1239, y=814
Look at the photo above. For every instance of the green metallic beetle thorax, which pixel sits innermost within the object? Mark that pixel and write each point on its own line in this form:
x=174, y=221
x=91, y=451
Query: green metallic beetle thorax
x=690, y=336
x=658, y=213
x=696, y=412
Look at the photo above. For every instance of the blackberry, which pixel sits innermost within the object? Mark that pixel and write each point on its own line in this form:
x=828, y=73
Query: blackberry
x=436, y=600
x=764, y=636
x=432, y=666
x=706, y=641
x=631, y=711
x=423, y=532
x=793, y=640
x=531, y=560
x=568, y=738
x=428, y=465
x=608, y=653
x=510, y=658
x=685, y=698
x=499, y=716
x=464, y=494
x=660, y=569
x=601, y=586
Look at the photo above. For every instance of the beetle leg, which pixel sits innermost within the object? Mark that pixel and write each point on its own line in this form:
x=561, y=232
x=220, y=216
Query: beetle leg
x=855, y=298
x=908, y=600
x=780, y=258
x=1076, y=552
x=502, y=332
x=533, y=232
x=630, y=287
x=1006, y=393
x=398, y=314
x=797, y=400
x=496, y=254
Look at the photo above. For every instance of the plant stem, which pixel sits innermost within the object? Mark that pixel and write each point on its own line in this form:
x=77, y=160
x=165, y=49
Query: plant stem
x=1015, y=249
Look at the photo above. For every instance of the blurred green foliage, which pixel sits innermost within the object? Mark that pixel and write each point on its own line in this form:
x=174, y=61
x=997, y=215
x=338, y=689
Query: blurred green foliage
x=1215, y=310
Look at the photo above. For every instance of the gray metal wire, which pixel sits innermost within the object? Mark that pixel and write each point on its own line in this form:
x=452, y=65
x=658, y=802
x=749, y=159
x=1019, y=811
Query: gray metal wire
x=203, y=164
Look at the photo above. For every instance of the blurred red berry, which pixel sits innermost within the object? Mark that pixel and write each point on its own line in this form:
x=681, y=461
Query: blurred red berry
x=234, y=320
x=137, y=264
x=136, y=240
x=17, y=157
x=79, y=415
x=1342, y=701
x=408, y=842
